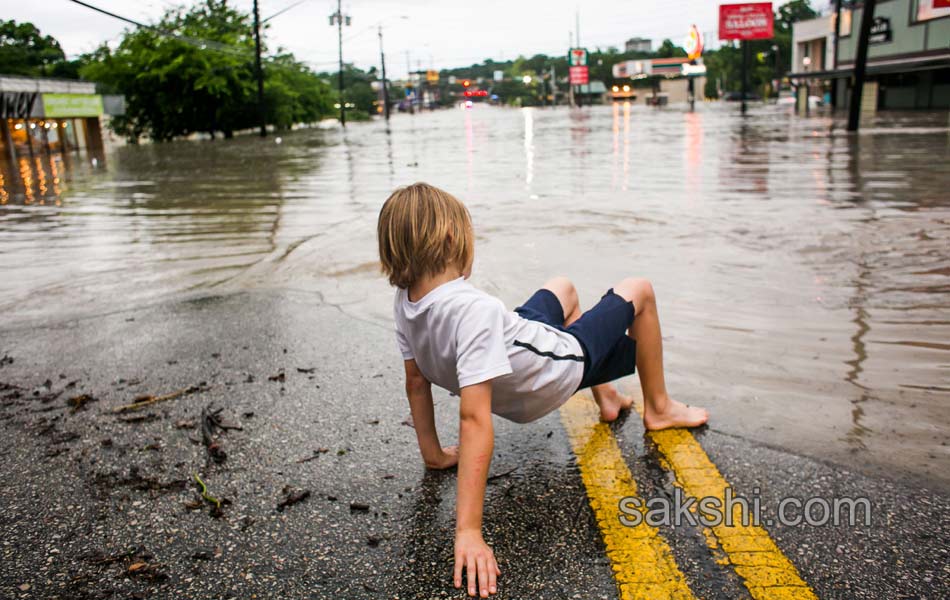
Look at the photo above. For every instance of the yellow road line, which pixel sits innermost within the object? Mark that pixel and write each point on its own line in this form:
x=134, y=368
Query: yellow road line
x=766, y=572
x=641, y=559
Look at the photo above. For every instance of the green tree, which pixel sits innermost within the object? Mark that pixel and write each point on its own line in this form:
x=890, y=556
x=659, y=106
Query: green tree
x=670, y=50
x=26, y=51
x=194, y=71
x=294, y=94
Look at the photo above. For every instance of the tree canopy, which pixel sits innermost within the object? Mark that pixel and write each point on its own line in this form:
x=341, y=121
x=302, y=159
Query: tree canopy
x=194, y=72
x=26, y=51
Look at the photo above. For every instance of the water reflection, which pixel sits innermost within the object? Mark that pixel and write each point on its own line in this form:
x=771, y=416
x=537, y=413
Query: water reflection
x=528, y=146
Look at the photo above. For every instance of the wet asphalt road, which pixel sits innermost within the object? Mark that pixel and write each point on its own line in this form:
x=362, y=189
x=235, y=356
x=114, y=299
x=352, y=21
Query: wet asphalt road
x=97, y=504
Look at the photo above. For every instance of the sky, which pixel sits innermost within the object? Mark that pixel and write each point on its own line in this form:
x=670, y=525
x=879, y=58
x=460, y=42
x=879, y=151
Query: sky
x=434, y=33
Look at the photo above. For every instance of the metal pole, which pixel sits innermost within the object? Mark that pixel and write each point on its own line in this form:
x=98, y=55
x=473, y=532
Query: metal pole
x=745, y=74
x=8, y=142
x=860, y=66
x=834, y=64
x=577, y=36
x=570, y=87
x=382, y=60
x=259, y=70
x=29, y=139
x=339, y=29
x=61, y=134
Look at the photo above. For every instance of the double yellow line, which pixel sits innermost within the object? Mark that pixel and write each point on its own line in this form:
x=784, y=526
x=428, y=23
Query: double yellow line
x=641, y=558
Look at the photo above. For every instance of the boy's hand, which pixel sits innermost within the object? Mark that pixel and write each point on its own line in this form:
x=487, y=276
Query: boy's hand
x=472, y=553
x=447, y=458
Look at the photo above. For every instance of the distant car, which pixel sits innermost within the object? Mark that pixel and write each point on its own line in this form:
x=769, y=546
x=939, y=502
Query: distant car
x=622, y=92
x=737, y=97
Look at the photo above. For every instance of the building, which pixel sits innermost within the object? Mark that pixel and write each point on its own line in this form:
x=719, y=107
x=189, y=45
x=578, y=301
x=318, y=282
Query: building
x=813, y=44
x=590, y=93
x=638, y=44
x=52, y=114
x=908, y=55
x=658, y=81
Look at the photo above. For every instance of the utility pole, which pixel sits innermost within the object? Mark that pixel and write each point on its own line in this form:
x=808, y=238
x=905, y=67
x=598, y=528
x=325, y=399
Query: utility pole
x=553, y=86
x=382, y=60
x=860, y=66
x=834, y=64
x=570, y=88
x=259, y=70
x=745, y=73
x=340, y=18
x=577, y=34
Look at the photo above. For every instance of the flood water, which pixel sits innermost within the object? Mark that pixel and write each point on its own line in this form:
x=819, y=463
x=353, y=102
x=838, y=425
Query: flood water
x=803, y=274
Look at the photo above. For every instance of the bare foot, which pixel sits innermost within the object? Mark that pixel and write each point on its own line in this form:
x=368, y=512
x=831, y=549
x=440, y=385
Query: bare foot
x=610, y=401
x=676, y=414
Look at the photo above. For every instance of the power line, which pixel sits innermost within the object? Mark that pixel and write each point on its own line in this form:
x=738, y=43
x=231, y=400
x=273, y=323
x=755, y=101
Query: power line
x=112, y=14
x=200, y=43
x=283, y=10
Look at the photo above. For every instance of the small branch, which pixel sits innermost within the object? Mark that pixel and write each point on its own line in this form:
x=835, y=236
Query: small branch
x=148, y=400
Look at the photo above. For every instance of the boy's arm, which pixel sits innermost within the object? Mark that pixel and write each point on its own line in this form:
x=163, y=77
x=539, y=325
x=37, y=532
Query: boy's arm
x=476, y=441
x=419, y=392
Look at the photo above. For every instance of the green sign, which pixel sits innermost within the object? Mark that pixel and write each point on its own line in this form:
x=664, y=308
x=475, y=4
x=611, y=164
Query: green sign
x=72, y=105
x=577, y=57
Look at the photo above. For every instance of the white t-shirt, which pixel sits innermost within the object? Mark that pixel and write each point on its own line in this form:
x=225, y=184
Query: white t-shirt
x=460, y=336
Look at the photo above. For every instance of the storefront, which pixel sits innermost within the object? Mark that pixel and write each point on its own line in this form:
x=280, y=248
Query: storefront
x=48, y=115
x=908, y=55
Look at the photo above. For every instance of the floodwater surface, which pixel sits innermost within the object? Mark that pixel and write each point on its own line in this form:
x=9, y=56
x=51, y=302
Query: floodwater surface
x=803, y=274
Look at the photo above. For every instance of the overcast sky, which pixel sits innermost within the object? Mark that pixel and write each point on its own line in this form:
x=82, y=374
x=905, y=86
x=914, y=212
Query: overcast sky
x=435, y=33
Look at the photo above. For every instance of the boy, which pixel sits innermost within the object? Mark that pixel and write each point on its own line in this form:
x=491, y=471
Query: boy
x=519, y=365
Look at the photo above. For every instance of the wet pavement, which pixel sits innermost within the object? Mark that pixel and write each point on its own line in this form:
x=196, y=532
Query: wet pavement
x=803, y=285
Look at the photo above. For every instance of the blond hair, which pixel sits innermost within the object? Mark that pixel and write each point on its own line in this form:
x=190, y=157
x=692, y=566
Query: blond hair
x=422, y=231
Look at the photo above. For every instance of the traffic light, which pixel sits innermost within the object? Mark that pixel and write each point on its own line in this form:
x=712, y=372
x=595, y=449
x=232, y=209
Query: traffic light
x=466, y=83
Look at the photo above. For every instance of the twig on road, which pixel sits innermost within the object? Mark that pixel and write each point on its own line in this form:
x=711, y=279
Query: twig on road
x=148, y=400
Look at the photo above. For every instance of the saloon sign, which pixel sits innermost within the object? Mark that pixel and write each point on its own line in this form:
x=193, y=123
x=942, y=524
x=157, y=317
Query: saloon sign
x=752, y=21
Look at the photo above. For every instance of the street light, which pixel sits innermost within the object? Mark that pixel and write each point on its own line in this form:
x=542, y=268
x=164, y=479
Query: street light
x=338, y=18
x=526, y=79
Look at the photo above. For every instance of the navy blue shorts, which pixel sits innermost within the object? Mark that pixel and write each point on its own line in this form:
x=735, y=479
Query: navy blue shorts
x=609, y=353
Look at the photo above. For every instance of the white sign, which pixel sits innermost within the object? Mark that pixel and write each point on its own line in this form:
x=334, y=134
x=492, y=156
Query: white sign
x=632, y=68
x=689, y=69
x=498, y=75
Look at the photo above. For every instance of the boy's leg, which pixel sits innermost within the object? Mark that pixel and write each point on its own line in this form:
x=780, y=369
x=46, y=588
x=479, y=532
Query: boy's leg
x=610, y=401
x=659, y=410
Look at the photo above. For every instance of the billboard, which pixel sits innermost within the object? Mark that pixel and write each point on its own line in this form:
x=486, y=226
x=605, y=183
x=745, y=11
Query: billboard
x=578, y=75
x=577, y=66
x=632, y=68
x=750, y=21
x=932, y=9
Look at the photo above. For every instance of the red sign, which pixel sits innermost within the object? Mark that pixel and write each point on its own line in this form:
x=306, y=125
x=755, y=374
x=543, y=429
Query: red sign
x=745, y=21
x=941, y=3
x=578, y=75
